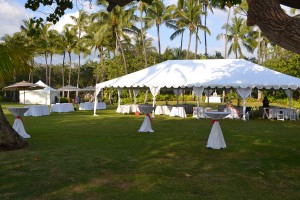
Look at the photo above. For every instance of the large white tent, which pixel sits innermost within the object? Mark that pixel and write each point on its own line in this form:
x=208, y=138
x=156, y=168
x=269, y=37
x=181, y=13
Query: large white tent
x=44, y=96
x=200, y=74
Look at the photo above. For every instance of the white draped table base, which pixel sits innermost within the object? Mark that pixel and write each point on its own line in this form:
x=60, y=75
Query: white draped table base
x=146, y=126
x=216, y=139
x=18, y=123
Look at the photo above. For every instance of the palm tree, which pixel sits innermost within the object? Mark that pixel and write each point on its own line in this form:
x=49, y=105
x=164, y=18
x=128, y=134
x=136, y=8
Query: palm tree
x=54, y=41
x=43, y=46
x=240, y=34
x=142, y=8
x=177, y=26
x=70, y=42
x=159, y=14
x=189, y=17
x=78, y=28
x=96, y=40
x=120, y=21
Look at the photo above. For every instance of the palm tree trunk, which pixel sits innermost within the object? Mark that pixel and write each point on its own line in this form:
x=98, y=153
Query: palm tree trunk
x=122, y=52
x=101, y=63
x=70, y=61
x=63, y=73
x=78, y=75
x=181, y=43
x=205, y=34
x=258, y=46
x=189, y=44
x=143, y=41
x=226, y=37
x=50, y=70
x=158, y=38
x=196, y=44
x=46, y=59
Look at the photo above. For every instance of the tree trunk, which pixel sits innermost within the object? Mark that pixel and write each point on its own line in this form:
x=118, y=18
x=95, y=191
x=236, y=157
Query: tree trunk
x=46, y=58
x=277, y=26
x=226, y=38
x=68, y=94
x=158, y=38
x=142, y=37
x=78, y=75
x=50, y=66
x=63, y=73
x=205, y=34
x=181, y=43
x=258, y=46
x=9, y=138
x=189, y=44
x=122, y=52
x=196, y=45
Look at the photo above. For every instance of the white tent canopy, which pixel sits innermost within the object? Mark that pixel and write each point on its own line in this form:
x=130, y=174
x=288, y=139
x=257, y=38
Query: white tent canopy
x=210, y=73
x=43, y=96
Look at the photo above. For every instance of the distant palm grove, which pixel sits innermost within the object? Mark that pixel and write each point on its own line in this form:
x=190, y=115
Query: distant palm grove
x=119, y=39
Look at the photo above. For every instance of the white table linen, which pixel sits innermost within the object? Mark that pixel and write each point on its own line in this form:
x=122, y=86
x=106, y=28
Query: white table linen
x=163, y=110
x=178, y=111
x=62, y=107
x=146, y=125
x=18, y=123
x=37, y=110
x=90, y=106
x=216, y=139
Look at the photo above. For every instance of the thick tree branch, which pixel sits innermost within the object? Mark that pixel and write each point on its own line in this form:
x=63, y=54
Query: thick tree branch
x=278, y=27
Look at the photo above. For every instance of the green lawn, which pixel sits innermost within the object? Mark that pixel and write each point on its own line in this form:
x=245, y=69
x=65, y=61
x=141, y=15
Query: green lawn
x=80, y=156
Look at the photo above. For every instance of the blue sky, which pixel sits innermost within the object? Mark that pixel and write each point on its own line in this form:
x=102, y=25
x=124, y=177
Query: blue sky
x=12, y=12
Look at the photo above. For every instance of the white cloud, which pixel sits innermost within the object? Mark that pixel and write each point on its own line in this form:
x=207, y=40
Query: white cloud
x=66, y=19
x=11, y=15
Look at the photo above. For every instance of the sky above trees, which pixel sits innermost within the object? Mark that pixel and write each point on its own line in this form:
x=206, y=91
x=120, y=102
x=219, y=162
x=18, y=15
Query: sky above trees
x=12, y=12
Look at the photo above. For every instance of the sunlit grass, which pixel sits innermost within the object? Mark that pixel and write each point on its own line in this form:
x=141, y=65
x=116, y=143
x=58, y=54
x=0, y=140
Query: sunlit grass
x=80, y=156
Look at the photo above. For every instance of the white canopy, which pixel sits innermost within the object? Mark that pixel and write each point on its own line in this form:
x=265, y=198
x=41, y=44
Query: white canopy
x=213, y=73
x=210, y=73
x=42, y=96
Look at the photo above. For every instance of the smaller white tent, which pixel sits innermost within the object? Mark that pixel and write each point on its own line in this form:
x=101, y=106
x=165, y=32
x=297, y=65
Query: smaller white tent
x=44, y=96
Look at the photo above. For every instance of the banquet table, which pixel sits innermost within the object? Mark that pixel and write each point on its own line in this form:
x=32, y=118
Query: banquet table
x=37, y=110
x=216, y=139
x=163, y=110
x=90, y=106
x=18, y=123
x=178, y=111
x=146, y=125
x=62, y=107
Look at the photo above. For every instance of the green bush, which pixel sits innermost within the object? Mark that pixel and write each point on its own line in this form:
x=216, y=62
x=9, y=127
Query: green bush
x=64, y=100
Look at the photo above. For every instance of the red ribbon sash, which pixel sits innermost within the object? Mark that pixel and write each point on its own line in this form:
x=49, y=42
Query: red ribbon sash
x=213, y=121
x=149, y=117
x=18, y=117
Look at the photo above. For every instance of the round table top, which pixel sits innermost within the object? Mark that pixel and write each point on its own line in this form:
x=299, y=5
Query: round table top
x=217, y=114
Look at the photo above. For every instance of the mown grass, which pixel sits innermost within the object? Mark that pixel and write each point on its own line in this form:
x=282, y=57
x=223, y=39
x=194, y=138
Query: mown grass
x=80, y=156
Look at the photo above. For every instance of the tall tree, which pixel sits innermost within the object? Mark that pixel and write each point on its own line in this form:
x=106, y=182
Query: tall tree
x=189, y=18
x=78, y=29
x=159, y=14
x=70, y=41
x=239, y=34
x=120, y=21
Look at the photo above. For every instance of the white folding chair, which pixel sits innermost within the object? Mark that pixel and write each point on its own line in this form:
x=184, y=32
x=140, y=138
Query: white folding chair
x=280, y=114
x=292, y=115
